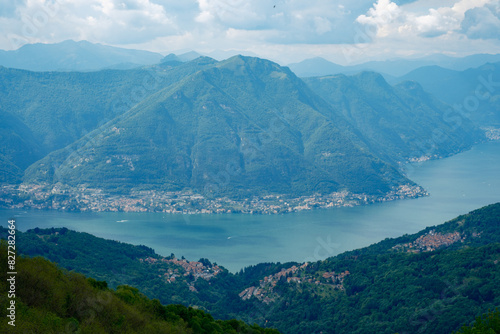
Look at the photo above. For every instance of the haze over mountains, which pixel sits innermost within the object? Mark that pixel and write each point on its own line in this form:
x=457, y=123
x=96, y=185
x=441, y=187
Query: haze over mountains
x=239, y=127
x=75, y=56
x=476, y=89
x=391, y=68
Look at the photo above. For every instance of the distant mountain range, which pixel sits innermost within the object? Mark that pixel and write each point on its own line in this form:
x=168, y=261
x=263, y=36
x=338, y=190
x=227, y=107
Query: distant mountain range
x=475, y=90
x=433, y=281
x=70, y=55
x=399, y=121
x=451, y=80
x=75, y=56
x=318, y=66
x=241, y=127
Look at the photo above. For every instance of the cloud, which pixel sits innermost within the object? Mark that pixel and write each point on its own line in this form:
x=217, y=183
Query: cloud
x=9, y=7
x=382, y=15
x=279, y=28
x=292, y=21
x=474, y=17
x=106, y=21
x=482, y=22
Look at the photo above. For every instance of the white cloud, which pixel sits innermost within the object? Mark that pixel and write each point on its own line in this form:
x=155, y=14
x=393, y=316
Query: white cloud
x=106, y=21
x=291, y=29
x=482, y=22
x=392, y=20
x=291, y=21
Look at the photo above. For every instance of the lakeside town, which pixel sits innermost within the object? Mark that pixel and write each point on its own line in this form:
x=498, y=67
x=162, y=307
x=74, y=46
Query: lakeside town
x=66, y=198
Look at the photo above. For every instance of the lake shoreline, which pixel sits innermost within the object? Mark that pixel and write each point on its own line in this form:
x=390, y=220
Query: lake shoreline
x=81, y=199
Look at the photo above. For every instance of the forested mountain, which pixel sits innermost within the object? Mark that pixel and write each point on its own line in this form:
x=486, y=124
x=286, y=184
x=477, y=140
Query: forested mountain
x=243, y=126
x=475, y=91
x=402, y=122
x=62, y=107
x=75, y=56
x=247, y=116
x=433, y=281
x=19, y=148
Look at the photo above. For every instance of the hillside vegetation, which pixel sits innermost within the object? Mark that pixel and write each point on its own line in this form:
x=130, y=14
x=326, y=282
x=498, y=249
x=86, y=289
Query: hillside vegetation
x=241, y=127
x=50, y=300
x=434, y=281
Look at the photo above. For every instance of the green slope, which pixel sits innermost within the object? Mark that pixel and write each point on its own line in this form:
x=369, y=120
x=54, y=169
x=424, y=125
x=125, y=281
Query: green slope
x=401, y=122
x=475, y=90
x=18, y=148
x=43, y=112
x=61, y=107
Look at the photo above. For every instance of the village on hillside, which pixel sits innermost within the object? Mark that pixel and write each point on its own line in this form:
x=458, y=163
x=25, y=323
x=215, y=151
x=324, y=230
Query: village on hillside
x=265, y=292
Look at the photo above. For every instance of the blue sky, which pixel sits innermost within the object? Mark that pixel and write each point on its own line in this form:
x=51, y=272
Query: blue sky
x=345, y=32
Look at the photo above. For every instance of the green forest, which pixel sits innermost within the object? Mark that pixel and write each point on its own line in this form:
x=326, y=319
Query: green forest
x=53, y=300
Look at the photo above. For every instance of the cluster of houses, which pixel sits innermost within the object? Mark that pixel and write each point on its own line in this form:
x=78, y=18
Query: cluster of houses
x=295, y=274
x=173, y=268
x=81, y=198
x=430, y=242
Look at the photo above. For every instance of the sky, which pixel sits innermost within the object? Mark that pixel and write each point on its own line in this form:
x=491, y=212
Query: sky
x=346, y=32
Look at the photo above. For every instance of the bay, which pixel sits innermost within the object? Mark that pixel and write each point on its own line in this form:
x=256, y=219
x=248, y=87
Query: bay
x=457, y=185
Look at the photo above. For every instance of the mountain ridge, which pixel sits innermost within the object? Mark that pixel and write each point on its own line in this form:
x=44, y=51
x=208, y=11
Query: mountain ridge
x=75, y=56
x=230, y=104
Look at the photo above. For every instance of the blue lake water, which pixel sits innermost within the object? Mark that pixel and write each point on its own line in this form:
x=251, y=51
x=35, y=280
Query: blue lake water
x=456, y=185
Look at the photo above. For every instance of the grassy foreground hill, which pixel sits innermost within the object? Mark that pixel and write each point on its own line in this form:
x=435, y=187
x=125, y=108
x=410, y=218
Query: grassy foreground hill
x=51, y=300
x=433, y=281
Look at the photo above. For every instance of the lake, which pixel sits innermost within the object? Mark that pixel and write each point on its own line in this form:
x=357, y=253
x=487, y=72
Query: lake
x=457, y=185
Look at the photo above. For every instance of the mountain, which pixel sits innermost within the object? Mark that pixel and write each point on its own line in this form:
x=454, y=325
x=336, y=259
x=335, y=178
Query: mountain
x=240, y=127
x=225, y=54
x=317, y=66
x=18, y=148
x=391, y=68
x=188, y=56
x=50, y=110
x=172, y=60
x=433, y=281
x=463, y=63
x=75, y=56
x=402, y=122
x=50, y=300
x=475, y=90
